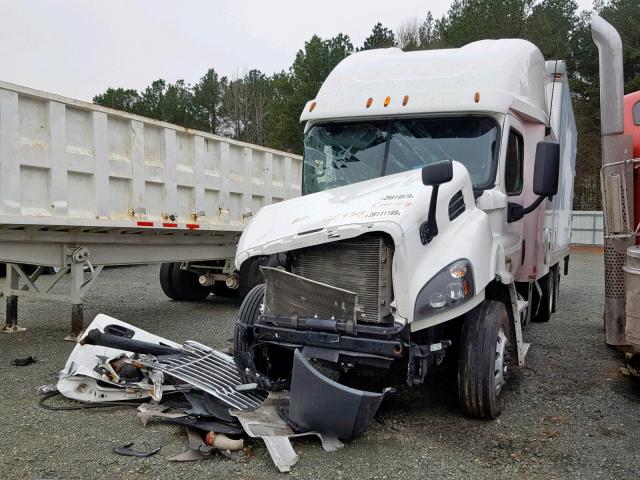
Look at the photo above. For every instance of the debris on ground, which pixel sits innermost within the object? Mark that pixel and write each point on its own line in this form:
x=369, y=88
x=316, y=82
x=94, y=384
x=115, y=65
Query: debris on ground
x=23, y=362
x=127, y=451
x=201, y=389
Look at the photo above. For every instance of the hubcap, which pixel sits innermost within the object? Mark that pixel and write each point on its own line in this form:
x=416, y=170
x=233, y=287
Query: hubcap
x=500, y=365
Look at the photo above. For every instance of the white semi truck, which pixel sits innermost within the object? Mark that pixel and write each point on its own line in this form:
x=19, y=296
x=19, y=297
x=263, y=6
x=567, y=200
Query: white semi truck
x=434, y=222
x=82, y=187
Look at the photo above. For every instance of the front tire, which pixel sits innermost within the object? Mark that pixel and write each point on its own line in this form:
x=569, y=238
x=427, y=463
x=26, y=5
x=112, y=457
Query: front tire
x=272, y=361
x=484, y=346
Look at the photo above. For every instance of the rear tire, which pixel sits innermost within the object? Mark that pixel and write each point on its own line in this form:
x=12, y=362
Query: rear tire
x=181, y=285
x=484, y=346
x=166, y=281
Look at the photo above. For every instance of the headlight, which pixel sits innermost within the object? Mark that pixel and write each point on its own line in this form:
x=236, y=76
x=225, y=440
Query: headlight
x=451, y=286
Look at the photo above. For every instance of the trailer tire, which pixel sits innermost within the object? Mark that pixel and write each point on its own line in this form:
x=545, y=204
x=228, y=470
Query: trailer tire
x=166, y=281
x=484, y=347
x=186, y=285
x=543, y=304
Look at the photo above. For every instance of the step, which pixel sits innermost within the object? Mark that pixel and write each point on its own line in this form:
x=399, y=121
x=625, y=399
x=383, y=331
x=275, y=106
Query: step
x=522, y=304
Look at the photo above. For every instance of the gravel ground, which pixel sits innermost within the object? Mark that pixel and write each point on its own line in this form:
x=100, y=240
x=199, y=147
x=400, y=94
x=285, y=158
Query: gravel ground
x=569, y=413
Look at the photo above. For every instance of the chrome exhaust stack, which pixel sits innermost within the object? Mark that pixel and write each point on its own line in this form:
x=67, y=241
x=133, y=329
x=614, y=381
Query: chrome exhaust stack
x=616, y=178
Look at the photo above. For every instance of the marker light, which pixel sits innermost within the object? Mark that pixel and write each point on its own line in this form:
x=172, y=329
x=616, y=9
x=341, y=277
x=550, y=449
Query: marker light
x=405, y=100
x=387, y=101
x=476, y=97
x=312, y=106
x=369, y=101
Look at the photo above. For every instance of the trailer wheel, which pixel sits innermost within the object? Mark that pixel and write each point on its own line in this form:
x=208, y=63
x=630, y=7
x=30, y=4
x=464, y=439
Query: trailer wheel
x=186, y=285
x=543, y=304
x=166, y=281
x=272, y=360
x=484, y=347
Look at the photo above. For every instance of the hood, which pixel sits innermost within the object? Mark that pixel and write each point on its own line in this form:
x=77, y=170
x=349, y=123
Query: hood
x=391, y=204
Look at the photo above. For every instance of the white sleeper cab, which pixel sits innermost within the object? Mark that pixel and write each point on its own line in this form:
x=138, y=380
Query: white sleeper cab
x=433, y=223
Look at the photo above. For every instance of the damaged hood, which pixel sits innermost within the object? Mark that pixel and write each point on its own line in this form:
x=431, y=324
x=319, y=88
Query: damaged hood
x=391, y=204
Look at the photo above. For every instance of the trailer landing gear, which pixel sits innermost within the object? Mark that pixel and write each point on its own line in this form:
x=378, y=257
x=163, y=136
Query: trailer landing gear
x=79, y=282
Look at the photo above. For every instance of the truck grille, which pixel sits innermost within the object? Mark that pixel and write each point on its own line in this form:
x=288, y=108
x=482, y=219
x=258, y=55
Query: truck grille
x=361, y=265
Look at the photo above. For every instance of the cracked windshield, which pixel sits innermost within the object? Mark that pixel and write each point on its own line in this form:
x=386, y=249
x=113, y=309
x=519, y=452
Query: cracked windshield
x=344, y=153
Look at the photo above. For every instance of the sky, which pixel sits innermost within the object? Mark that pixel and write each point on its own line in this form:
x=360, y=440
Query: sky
x=79, y=48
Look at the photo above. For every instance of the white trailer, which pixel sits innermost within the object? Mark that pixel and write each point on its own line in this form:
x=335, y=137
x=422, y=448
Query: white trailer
x=82, y=187
x=434, y=219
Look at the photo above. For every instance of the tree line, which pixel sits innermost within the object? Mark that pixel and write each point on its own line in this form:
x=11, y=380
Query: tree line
x=264, y=109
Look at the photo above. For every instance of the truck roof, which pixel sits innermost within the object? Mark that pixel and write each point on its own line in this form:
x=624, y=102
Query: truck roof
x=483, y=76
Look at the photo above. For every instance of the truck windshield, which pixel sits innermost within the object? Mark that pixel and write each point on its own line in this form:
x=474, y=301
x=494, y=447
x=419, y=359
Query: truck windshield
x=340, y=154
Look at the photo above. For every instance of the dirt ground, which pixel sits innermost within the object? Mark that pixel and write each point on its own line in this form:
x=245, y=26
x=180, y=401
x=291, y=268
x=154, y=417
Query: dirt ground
x=569, y=413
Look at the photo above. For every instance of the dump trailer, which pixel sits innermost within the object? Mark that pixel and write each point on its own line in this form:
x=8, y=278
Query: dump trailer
x=82, y=187
x=434, y=221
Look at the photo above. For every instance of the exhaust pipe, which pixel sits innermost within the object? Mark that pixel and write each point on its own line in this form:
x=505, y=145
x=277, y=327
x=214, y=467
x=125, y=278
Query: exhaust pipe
x=609, y=44
x=617, y=178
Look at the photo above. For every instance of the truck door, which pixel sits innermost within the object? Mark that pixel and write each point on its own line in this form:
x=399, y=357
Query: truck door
x=512, y=183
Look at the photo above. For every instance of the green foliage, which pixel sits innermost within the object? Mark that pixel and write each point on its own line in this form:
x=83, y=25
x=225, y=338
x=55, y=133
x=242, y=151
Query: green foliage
x=381, y=37
x=118, y=98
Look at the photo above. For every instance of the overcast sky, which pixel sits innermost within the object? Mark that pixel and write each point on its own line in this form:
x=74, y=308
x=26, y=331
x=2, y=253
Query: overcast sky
x=78, y=48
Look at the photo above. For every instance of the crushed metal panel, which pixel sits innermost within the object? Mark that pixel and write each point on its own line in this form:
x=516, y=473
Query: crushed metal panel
x=267, y=423
x=288, y=295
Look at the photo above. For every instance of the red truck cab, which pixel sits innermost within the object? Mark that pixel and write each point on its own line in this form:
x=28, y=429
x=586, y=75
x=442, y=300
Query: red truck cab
x=632, y=127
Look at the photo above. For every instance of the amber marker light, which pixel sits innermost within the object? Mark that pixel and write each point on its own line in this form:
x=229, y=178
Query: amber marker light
x=312, y=106
x=369, y=101
x=476, y=97
x=405, y=100
x=387, y=101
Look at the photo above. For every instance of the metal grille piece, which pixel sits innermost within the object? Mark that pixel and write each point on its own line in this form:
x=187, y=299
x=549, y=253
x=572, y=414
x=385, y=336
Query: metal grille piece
x=211, y=371
x=361, y=265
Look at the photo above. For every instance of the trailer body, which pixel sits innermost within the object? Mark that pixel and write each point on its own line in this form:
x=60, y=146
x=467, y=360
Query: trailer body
x=81, y=184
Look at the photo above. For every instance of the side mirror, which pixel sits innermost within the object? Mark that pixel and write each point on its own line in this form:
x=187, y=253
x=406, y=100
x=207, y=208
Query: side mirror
x=437, y=173
x=434, y=175
x=547, y=169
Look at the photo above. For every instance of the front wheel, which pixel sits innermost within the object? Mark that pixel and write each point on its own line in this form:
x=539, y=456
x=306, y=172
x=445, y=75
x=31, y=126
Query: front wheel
x=273, y=361
x=482, y=368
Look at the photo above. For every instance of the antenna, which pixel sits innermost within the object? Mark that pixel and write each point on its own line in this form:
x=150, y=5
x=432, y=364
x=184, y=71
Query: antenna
x=553, y=87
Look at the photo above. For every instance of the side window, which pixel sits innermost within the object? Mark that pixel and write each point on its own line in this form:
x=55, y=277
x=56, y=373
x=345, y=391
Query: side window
x=636, y=114
x=514, y=167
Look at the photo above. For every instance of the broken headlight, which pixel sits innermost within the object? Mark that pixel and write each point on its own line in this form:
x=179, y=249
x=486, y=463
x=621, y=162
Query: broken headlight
x=451, y=286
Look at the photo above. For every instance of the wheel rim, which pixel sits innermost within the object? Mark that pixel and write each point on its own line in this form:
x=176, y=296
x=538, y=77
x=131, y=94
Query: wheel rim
x=500, y=365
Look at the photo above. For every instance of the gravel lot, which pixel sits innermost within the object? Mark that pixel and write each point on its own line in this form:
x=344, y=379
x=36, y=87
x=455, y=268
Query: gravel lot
x=569, y=413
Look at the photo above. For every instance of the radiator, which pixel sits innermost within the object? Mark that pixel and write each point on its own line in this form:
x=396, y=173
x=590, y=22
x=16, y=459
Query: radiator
x=361, y=265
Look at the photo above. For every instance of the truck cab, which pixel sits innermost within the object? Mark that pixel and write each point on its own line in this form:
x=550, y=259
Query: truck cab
x=437, y=190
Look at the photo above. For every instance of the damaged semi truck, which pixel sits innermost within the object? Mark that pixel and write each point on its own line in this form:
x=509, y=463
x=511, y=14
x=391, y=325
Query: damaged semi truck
x=434, y=221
